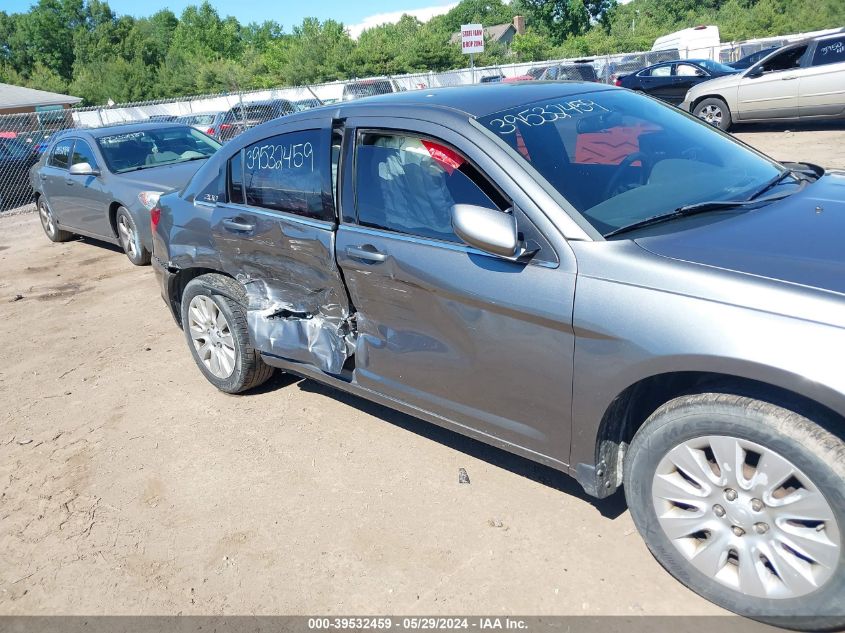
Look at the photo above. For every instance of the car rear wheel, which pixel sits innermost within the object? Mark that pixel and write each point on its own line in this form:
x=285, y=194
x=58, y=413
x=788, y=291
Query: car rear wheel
x=49, y=224
x=215, y=327
x=130, y=238
x=743, y=501
x=715, y=112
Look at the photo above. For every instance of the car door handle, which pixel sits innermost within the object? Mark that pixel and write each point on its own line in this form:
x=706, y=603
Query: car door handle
x=791, y=77
x=69, y=182
x=238, y=225
x=42, y=176
x=367, y=253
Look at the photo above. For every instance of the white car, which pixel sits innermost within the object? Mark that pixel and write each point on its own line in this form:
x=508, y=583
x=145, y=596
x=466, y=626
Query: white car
x=805, y=80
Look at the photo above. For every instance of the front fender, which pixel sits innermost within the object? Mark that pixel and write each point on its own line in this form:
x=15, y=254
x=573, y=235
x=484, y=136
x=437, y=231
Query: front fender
x=627, y=333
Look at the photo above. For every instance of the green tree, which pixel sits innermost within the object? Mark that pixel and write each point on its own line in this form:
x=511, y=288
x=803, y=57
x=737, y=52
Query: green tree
x=560, y=19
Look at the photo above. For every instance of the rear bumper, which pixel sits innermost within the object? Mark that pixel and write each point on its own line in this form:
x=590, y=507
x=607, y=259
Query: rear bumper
x=165, y=281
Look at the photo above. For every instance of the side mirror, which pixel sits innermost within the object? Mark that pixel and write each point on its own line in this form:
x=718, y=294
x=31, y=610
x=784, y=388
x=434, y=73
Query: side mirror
x=83, y=169
x=700, y=73
x=488, y=230
x=754, y=72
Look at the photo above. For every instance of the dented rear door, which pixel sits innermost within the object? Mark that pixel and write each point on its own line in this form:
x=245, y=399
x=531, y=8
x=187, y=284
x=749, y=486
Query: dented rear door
x=274, y=230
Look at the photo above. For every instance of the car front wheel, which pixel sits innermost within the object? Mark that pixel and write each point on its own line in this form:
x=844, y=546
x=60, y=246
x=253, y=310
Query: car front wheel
x=743, y=501
x=715, y=112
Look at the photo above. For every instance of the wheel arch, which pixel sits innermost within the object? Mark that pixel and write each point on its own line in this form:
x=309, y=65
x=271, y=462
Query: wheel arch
x=113, y=207
x=629, y=410
x=179, y=279
x=698, y=100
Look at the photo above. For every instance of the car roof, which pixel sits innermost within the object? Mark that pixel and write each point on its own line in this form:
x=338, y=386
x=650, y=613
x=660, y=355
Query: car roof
x=478, y=100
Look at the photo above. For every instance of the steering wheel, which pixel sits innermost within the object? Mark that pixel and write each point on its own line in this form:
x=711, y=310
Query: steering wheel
x=617, y=185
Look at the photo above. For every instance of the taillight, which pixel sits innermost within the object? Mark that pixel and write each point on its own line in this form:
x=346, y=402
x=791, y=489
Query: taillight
x=224, y=126
x=211, y=131
x=617, y=82
x=155, y=217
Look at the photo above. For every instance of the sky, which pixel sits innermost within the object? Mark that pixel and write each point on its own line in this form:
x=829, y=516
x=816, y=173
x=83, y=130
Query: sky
x=357, y=15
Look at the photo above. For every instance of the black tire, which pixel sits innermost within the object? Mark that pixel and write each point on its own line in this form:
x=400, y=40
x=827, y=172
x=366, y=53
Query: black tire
x=249, y=370
x=715, y=112
x=130, y=238
x=814, y=451
x=49, y=223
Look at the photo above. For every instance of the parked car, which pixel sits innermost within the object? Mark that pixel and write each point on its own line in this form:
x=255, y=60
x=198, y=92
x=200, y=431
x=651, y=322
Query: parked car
x=162, y=118
x=630, y=64
x=532, y=74
x=801, y=81
x=570, y=72
x=236, y=119
x=491, y=79
x=199, y=120
x=673, y=321
x=103, y=182
x=671, y=81
x=16, y=157
x=749, y=60
x=369, y=88
x=306, y=104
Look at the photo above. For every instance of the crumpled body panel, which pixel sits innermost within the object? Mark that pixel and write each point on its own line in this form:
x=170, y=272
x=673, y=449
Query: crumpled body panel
x=297, y=306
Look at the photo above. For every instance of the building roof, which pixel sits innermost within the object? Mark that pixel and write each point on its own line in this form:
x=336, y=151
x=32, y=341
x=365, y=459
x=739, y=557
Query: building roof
x=494, y=33
x=20, y=97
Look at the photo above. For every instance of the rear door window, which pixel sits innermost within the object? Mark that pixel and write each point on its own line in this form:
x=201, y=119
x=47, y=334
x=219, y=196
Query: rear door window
x=290, y=173
x=60, y=156
x=830, y=52
x=660, y=71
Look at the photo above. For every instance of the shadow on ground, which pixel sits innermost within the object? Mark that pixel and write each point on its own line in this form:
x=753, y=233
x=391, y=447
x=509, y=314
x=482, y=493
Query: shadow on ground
x=610, y=508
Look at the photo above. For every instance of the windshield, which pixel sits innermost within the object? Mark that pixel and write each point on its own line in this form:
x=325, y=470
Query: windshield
x=715, y=67
x=152, y=148
x=620, y=158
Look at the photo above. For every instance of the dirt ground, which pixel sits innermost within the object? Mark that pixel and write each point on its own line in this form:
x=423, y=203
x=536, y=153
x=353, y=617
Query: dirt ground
x=128, y=485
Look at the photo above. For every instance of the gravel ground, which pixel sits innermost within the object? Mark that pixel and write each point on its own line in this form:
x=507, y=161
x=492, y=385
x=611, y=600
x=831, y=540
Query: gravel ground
x=128, y=485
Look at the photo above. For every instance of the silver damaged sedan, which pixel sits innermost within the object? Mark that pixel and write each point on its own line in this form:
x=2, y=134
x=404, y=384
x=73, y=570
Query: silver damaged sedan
x=572, y=272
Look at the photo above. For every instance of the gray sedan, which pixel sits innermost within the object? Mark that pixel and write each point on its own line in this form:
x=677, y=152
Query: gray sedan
x=103, y=182
x=575, y=273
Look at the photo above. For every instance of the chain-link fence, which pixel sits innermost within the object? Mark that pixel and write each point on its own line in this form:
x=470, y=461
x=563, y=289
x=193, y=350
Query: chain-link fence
x=25, y=137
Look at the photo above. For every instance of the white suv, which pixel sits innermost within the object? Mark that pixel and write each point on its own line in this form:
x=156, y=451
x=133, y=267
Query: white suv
x=805, y=80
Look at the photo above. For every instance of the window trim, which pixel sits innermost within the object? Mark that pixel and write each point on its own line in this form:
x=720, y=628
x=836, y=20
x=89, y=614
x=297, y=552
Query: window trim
x=358, y=131
x=227, y=178
x=72, y=141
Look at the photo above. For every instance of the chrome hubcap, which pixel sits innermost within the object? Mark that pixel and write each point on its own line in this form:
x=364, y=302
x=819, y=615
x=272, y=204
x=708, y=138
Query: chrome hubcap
x=711, y=113
x=127, y=236
x=47, y=221
x=746, y=517
x=211, y=336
